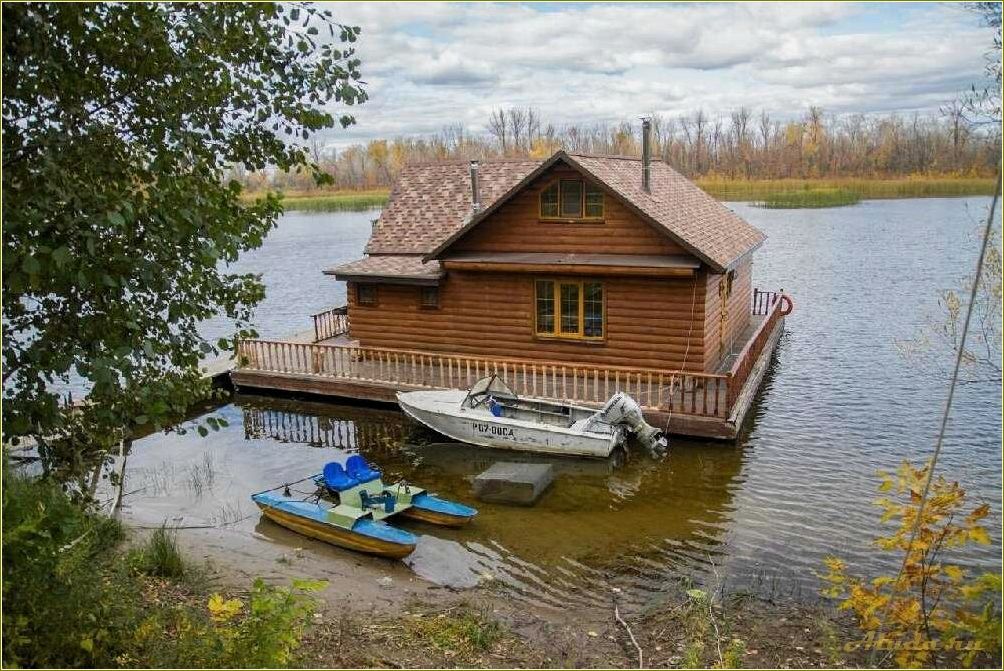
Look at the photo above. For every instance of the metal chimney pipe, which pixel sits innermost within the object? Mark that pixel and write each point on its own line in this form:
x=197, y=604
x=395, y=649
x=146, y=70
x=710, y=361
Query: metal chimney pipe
x=646, y=154
x=475, y=195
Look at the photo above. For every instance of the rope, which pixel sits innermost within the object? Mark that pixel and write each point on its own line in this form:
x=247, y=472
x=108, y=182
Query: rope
x=686, y=353
x=959, y=355
x=309, y=477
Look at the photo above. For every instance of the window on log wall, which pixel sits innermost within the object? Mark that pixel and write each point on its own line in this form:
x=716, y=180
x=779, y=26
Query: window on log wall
x=366, y=294
x=569, y=309
x=430, y=297
x=571, y=199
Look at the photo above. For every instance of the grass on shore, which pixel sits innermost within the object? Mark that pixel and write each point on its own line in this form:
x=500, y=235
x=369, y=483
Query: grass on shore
x=866, y=188
x=73, y=596
x=825, y=192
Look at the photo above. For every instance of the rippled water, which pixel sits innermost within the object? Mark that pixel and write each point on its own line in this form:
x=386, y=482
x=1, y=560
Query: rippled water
x=839, y=403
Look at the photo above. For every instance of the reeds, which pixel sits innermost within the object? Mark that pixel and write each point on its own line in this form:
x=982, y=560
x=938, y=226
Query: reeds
x=159, y=556
x=904, y=187
x=330, y=201
x=827, y=192
x=787, y=200
x=336, y=202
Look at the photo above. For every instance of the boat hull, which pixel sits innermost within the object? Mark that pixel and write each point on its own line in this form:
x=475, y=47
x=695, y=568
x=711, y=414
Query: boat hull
x=433, y=510
x=350, y=539
x=441, y=412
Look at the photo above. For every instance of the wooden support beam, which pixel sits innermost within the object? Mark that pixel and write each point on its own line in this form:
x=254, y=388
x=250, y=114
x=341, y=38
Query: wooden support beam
x=567, y=269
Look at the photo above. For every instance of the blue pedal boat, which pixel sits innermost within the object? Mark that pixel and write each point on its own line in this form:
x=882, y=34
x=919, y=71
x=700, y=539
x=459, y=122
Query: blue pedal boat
x=351, y=505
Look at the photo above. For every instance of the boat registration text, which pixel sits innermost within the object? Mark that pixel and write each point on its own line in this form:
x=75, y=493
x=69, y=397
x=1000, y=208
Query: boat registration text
x=494, y=430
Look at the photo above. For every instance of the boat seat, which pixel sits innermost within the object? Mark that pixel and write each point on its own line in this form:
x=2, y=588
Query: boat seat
x=359, y=470
x=336, y=479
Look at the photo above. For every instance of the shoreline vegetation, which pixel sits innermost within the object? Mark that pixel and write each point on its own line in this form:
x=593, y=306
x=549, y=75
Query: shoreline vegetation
x=127, y=598
x=771, y=193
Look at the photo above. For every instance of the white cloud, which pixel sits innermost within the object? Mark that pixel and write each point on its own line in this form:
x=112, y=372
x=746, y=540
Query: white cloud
x=430, y=64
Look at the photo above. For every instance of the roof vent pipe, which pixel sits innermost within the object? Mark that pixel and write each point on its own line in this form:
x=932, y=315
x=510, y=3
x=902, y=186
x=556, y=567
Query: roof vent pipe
x=475, y=195
x=646, y=154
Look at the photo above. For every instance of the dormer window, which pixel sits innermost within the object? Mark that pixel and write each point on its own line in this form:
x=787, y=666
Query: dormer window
x=571, y=199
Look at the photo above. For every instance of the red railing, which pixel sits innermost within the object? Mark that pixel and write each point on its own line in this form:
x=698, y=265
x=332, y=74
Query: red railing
x=763, y=301
x=331, y=323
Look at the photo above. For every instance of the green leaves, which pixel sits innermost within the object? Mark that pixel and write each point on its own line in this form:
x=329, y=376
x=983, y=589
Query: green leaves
x=117, y=216
x=60, y=256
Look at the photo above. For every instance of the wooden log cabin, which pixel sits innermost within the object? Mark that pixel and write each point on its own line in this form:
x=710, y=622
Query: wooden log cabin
x=608, y=266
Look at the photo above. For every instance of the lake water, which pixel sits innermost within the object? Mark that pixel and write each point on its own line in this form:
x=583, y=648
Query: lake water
x=840, y=403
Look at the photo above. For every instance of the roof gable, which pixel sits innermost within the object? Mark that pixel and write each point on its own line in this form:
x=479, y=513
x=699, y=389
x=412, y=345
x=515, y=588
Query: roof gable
x=675, y=206
x=515, y=224
x=430, y=205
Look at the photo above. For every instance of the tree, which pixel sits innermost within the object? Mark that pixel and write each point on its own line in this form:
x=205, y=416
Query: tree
x=984, y=102
x=933, y=610
x=118, y=120
x=982, y=352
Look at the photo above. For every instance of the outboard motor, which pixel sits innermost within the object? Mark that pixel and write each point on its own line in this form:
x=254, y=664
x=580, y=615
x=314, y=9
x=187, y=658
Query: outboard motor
x=622, y=410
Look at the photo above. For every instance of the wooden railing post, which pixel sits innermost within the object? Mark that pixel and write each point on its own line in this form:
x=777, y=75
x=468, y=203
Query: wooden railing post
x=330, y=323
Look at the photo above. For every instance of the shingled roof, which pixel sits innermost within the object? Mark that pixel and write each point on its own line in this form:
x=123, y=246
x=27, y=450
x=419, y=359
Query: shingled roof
x=429, y=201
x=409, y=268
x=430, y=208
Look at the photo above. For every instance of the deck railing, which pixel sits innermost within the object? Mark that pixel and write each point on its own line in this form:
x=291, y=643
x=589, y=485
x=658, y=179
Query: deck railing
x=688, y=393
x=331, y=323
x=771, y=305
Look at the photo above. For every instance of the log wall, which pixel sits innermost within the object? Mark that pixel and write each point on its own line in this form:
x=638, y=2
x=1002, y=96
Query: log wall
x=718, y=343
x=649, y=321
x=517, y=227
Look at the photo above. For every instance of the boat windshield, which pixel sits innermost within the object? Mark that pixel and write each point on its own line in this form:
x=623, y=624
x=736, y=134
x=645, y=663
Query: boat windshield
x=486, y=387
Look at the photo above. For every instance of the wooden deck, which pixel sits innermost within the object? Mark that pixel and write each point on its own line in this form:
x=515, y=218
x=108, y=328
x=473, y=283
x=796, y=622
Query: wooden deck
x=710, y=405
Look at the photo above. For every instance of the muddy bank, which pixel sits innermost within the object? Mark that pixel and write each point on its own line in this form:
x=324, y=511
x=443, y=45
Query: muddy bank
x=377, y=613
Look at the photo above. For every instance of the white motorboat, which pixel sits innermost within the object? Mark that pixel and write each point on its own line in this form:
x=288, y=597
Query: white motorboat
x=490, y=414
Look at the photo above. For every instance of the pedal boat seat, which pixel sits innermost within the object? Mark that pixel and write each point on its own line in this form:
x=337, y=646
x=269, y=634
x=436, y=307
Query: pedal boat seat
x=336, y=479
x=359, y=470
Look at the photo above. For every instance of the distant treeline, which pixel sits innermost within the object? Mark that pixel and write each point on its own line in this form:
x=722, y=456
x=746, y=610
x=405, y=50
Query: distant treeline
x=741, y=145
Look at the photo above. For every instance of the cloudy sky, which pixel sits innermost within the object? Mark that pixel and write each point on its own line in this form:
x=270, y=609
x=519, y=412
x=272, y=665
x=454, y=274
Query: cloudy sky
x=430, y=64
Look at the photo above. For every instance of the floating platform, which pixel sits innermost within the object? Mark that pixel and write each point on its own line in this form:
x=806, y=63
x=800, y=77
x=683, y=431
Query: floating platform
x=513, y=482
x=705, y=405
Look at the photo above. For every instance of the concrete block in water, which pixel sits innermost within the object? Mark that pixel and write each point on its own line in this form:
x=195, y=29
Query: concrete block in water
x=511, y=482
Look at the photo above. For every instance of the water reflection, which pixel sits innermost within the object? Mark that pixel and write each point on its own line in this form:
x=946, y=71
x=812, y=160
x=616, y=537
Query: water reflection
x=636, y=525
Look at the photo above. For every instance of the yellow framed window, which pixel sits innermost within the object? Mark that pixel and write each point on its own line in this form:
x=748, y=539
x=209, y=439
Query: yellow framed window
x=574, y=199
x=569, y=309
x=545, y=307
x=549, y=201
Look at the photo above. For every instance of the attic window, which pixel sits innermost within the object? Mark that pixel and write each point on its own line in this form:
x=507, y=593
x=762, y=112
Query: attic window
x=571, y=199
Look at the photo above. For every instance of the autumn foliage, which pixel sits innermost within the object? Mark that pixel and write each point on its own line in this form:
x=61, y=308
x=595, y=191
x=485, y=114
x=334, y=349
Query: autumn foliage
x=934, y=610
